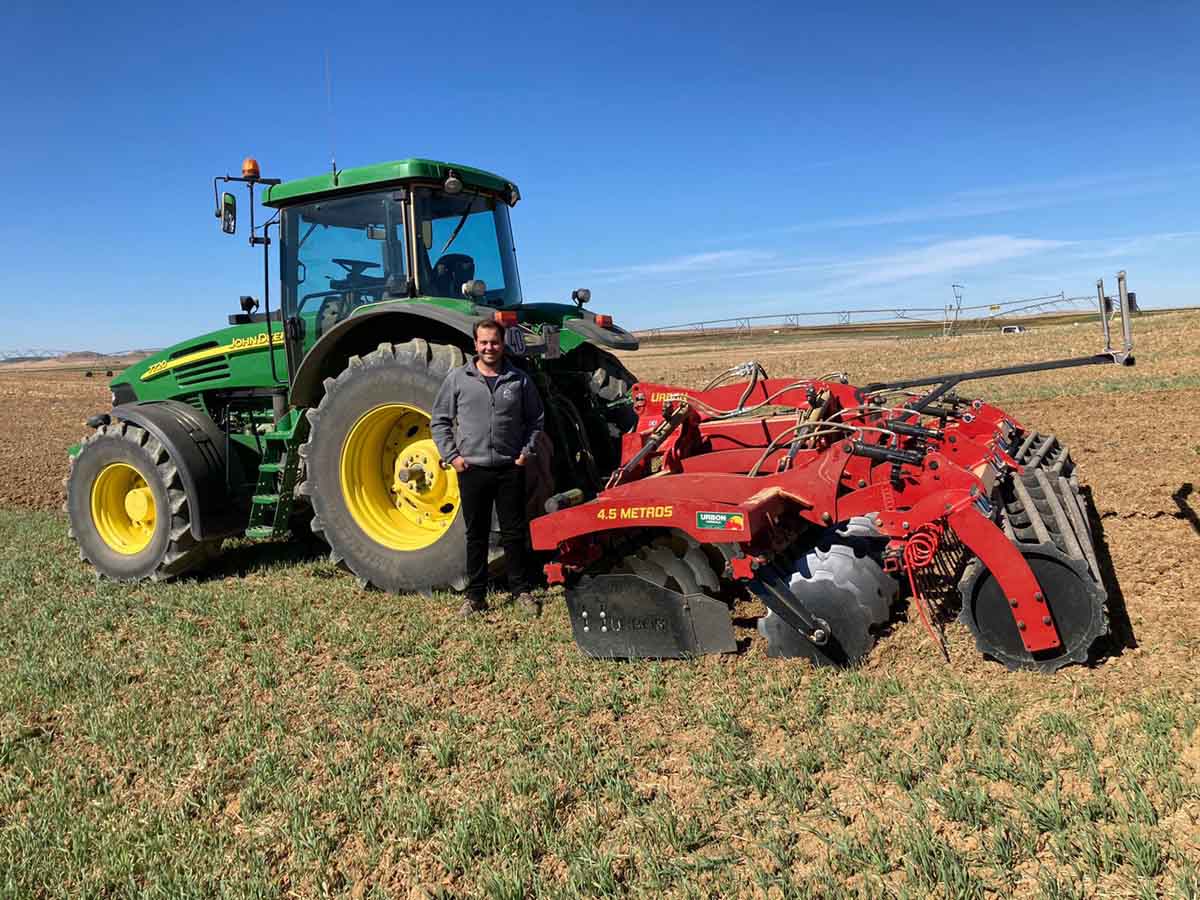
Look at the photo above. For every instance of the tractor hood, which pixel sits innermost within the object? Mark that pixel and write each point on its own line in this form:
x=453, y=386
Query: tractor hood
x=233, y=357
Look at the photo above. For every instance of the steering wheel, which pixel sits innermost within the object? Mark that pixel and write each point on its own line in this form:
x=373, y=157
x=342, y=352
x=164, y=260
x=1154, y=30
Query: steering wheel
x=356, y=267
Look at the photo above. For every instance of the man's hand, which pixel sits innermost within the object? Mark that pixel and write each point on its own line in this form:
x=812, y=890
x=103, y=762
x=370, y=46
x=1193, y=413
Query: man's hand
x=460, y=464
x=521, y=459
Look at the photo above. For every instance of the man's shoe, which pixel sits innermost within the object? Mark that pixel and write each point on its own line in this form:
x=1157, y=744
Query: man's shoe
x=471, y=608
x=528, y=604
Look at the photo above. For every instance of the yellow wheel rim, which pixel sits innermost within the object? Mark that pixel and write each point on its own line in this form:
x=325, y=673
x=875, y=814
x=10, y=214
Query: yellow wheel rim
x=393, y=482
x=123, y=509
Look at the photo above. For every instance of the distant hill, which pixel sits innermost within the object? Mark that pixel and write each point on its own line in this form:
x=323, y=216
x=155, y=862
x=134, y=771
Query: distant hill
x=78, y=359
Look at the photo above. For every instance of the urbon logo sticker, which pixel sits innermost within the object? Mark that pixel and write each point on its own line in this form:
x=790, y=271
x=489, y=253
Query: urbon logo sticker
x=720, y=521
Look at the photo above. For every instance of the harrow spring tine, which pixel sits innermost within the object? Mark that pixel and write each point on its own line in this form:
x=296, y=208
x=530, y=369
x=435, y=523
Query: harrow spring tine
x=1081, y=529
x=1065, y=526
x=1035, y=517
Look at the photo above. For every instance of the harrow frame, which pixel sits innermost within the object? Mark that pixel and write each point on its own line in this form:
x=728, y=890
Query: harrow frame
x=747, y=467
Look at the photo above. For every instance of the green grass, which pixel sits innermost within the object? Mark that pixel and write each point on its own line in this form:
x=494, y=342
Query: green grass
x=272, y=731
x=1114, y=381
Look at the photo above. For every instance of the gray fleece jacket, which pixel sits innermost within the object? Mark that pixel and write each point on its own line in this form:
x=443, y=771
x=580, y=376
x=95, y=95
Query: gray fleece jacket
x=484, y=426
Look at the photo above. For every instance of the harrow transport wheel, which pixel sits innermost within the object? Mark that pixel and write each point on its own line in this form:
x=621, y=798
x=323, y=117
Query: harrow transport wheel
x=841, y=580
x=127, y=507
x=1044, y=515
x=380, y=497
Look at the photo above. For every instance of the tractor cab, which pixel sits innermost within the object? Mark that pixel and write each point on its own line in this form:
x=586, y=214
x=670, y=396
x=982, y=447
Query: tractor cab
x=410, y=230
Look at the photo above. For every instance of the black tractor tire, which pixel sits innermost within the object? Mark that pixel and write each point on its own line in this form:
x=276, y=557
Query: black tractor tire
x=608, y=383
x=612, y=415
x=410, y=373
x=172, y=549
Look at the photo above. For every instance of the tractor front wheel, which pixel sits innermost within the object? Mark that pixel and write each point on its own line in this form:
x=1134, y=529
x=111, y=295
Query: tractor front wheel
x=128, y=511
x=382, y=500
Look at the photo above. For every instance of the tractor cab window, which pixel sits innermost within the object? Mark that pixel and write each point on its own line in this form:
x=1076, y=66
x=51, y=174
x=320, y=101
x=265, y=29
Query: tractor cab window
x=340, y=254
x=464, y=237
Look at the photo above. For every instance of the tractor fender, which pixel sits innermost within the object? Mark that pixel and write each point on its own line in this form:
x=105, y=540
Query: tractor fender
x=613, y=336
x=362, y=333
x=197, y=446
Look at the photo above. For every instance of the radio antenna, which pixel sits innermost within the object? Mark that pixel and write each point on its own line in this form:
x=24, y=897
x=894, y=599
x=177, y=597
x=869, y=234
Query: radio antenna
x=329, y=102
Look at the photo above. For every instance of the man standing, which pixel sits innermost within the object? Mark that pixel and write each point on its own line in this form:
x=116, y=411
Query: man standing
x=486, y=421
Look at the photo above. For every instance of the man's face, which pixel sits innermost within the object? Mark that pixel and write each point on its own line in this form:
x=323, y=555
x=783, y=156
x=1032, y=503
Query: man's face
x=490, y=346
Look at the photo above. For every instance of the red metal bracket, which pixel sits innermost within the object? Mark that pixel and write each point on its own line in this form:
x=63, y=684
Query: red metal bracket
x=1012, y=572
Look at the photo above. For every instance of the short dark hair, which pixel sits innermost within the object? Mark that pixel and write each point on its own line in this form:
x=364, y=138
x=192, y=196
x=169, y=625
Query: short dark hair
x=487, y=323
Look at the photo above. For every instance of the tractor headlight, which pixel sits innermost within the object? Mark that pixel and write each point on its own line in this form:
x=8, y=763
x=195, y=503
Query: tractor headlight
x=453, y=184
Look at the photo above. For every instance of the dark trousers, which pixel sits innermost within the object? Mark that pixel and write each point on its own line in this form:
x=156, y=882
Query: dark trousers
x=481, y=488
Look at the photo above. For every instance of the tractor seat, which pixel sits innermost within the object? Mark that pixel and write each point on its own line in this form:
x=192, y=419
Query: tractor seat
x=450, y=273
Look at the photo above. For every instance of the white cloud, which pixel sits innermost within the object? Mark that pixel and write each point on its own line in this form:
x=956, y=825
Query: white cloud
x=1127, y=247
x=946, y=257
x=695, y=262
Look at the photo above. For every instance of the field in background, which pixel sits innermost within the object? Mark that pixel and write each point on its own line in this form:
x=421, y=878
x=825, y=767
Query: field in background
x=270, y=730
x=893, y=328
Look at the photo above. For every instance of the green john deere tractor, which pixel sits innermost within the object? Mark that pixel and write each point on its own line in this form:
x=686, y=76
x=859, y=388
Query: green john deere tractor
x=316, y=415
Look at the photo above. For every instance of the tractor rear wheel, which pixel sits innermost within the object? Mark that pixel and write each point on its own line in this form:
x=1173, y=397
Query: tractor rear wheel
x=381, y=499
x=609, y=386
x=128, y=511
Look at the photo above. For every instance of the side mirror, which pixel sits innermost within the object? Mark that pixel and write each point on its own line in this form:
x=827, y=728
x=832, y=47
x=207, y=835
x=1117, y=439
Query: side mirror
x=228, y=213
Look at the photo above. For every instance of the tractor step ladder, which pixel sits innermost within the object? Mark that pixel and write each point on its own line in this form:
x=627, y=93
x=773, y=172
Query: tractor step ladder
x=271, y=504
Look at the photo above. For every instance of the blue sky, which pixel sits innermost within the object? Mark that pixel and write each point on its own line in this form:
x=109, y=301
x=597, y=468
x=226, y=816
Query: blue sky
x=685, y=162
